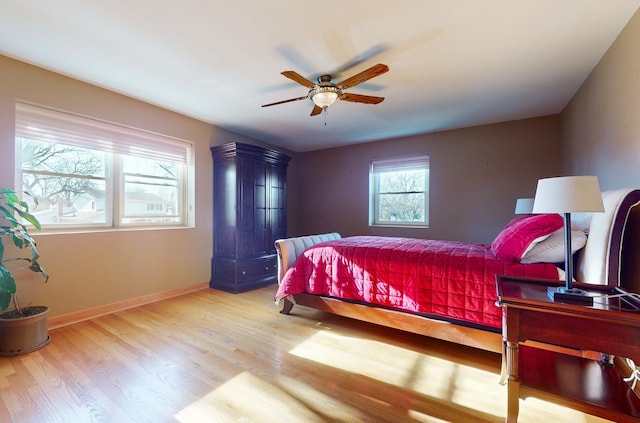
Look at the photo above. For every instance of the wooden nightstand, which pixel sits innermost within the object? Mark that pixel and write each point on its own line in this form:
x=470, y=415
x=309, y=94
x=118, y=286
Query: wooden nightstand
x=611, y=326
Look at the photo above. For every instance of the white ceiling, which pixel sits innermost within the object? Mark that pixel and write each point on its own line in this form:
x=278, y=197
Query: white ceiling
x=452, y=63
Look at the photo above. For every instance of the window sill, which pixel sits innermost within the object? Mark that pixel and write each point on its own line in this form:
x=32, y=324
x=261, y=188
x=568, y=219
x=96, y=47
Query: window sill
x=399, y=225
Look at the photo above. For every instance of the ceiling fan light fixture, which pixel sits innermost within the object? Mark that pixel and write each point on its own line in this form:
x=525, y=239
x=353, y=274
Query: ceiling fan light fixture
x=324, y=97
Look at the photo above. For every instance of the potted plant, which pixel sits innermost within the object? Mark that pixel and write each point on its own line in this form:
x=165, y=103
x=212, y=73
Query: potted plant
x=22, y=329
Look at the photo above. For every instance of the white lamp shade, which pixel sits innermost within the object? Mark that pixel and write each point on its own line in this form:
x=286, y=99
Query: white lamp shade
x=524, y=206
x=324, y=98
x=568, y=194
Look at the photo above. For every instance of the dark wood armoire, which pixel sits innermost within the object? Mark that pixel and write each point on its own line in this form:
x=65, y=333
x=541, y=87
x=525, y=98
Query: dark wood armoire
x=249, y=214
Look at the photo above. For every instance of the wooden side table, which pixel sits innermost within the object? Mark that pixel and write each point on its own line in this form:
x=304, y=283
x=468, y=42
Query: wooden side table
x=611, y=326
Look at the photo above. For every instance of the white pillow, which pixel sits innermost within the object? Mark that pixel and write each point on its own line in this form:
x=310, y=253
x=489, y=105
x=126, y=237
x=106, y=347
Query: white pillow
x=551, y=250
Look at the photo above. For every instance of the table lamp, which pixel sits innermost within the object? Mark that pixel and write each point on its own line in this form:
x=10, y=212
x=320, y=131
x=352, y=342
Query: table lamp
x=565, y=195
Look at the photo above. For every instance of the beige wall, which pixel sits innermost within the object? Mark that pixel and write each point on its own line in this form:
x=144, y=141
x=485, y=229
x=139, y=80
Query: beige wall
x=476, y=175
x=93, y=269
x=601, y=125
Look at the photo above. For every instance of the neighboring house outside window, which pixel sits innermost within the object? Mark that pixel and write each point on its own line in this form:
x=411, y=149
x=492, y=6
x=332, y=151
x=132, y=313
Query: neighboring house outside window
x=399, y=191
x=87, y=173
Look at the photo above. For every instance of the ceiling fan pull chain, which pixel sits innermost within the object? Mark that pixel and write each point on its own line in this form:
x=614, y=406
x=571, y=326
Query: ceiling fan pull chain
x=324, y=112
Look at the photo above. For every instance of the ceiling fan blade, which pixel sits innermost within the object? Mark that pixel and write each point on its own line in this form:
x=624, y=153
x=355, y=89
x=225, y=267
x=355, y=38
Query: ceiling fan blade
x=365, y=75
x=316, y=111
x=285, y=101
x=362, y=57
x=295, y=76
x=359, y=98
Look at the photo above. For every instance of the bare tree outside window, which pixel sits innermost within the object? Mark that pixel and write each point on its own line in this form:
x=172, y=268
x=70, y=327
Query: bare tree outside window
x=402, y=196
x=64, y=179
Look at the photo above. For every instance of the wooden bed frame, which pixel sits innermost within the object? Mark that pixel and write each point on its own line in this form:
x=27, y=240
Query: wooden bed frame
x=620, y=266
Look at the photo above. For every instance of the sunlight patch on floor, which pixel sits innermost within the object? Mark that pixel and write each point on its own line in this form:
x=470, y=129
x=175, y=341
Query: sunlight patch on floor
x=350, y=354
x=248, y=398
x=427, y=375
x=231, y=402
x=434, y=377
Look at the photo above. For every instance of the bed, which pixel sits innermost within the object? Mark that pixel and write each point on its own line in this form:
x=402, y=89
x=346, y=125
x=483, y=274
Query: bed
x=375, y=279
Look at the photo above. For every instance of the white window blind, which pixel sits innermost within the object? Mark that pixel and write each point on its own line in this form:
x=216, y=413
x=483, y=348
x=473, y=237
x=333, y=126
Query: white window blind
x=400, y=163
x=52, y=126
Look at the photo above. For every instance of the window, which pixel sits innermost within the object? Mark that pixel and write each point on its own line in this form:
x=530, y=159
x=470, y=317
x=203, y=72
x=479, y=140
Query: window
x=90, y=173
x=399, y=191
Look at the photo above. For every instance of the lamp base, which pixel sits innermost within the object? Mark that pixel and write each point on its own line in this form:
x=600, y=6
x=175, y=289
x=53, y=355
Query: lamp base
x=573, y=295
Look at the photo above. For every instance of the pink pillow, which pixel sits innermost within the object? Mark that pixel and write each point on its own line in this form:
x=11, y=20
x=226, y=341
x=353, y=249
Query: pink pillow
x=524, y=232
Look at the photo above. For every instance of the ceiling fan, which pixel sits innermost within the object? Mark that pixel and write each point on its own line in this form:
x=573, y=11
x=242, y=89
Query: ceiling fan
x=325, y=93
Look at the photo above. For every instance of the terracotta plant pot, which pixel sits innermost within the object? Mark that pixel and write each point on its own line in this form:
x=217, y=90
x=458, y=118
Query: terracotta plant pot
x=21, y=335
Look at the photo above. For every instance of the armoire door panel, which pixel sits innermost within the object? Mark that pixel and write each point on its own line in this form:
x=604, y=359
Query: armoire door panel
x=245, y=172
x=260, y=220
x=246, y=243
x=259, y=173
x=260, y=197
x=260, y=243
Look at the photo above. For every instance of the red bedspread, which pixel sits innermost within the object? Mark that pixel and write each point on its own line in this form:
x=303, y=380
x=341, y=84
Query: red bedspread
x=450, y=279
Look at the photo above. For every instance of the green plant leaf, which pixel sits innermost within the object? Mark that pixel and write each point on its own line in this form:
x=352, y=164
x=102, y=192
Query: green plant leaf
x=8, y=214
x=11, y=195
x=5, y=210
x=5, y=300
x=35, y=267
x=7, y=283
x=29, y=218
x=18, y=240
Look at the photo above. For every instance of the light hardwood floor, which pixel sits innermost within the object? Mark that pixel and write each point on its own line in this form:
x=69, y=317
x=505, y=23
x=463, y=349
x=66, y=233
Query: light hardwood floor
x=210, y=356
